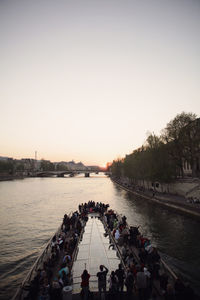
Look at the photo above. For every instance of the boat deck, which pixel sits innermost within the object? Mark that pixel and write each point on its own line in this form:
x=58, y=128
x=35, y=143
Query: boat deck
x=121, y=296
x=93, y=251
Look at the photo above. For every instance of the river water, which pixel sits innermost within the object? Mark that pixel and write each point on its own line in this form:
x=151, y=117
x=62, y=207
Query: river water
x=32, y=209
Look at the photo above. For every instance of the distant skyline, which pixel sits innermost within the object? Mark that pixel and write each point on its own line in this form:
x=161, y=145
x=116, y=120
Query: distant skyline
x=86, y=80
x=3, y=158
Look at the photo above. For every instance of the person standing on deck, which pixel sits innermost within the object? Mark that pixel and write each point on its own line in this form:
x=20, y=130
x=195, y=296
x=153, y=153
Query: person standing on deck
x=85, y=284
x=102, y=281
x=129, y=283
x=113, y=288
x=141, y=284
x=121, y=276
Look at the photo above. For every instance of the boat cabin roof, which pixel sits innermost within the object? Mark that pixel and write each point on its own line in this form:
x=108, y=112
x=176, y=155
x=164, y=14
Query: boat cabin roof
x=93, y=251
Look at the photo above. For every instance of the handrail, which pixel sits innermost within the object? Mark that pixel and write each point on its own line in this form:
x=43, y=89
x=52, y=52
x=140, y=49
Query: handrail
x=113, y=240
x=169, y=270
x=77, y=243
x=28, y=277
x=78, y=282
x=74, y=255
x=172, y=273
x=34, y=267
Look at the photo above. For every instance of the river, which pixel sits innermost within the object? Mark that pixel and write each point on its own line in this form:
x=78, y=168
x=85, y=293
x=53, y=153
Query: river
x=32, y=209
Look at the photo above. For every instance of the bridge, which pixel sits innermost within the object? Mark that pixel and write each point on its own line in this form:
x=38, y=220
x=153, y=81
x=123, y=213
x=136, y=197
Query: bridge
x=71, y=173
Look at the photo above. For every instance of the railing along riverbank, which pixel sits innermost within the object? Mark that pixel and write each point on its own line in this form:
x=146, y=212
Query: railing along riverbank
x=168, y=202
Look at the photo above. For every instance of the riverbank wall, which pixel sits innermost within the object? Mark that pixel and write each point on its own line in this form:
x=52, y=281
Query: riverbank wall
x=186, y=187
x=176, y=203
x=10, y=177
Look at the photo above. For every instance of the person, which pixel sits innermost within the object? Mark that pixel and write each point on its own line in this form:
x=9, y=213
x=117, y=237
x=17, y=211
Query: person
x=63, y=268
x=129, y=283
x=143, y=255
x=55, y=290
x=141, y=283
x=149, y=282
x=120, y=276
x=85, y=284
x=164, y=282
x=113, y=288
x=102, y=280
x=67, y=258
x=170, y=294
x=117, y=234
x=188, y=292
x=64, y=279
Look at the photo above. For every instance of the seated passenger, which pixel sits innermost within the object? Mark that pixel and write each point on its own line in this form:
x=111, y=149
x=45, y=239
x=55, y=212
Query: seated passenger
x=65, y=269
x=117, y=234
x=66, y=258
x=55, y=290
x=64, y=280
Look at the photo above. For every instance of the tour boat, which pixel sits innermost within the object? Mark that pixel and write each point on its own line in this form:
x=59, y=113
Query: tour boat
x=92, y=243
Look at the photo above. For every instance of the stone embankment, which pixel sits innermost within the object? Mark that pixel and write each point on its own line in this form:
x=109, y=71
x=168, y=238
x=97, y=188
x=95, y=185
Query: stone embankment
x=176, y=202
x=10, y=177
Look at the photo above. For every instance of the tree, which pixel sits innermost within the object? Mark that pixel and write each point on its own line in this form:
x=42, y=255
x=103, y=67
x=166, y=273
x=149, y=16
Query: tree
x=161, y=158
x=61, y=167
x=7, y=166
x=116, y=168
x=47, y=165
x=174, y=137
x=190, y=135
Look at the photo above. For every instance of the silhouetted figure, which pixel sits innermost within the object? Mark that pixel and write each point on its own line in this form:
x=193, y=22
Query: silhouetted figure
x=102, y=281
x=170, y=295
x=129, y=282
x=120, y=276
x=85, y=284
x=113, y=288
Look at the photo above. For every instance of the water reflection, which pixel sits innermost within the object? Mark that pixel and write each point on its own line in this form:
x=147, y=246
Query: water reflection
x=32, y=209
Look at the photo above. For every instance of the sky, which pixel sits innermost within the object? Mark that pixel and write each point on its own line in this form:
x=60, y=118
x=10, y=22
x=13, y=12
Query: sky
x=87, y=80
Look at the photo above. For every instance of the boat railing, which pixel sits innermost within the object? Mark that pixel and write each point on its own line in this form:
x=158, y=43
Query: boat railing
x=165, y=266
x=168, y=269
x=91, y=280
x=45, y=253
x=163, y=263
x=75, y=252
x=114, y=242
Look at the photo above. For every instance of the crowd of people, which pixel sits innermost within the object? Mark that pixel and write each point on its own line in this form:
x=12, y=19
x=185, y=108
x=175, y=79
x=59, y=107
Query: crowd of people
x=92, y=206
x=55, y=273
x=137, y=275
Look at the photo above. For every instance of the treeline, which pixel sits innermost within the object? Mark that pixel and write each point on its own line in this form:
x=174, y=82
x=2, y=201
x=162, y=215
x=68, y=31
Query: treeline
x=162, y=158
x=6, y=166
x=11, y=166
x=47, y=165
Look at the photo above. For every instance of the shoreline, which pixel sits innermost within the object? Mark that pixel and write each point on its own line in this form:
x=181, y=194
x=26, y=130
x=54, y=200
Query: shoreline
x=11, y=177
x=169, y=202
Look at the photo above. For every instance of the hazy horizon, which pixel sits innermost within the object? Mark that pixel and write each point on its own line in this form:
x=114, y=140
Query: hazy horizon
x=39, y=159
x=86, y=80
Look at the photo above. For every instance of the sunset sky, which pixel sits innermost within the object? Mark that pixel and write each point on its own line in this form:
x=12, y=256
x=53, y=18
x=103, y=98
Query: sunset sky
x=86, y=80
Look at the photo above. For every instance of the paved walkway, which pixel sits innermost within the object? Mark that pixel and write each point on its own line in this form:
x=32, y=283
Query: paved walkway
x=170, y=200
x=175, y=199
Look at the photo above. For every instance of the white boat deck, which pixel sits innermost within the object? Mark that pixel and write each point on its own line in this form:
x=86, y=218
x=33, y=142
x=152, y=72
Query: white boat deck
x=93, y=251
